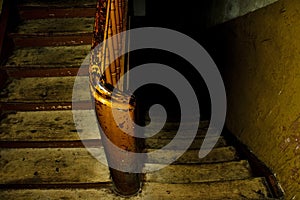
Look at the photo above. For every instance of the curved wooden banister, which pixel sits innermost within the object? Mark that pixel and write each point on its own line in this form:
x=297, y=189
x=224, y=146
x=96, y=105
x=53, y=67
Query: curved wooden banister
x=111, y=19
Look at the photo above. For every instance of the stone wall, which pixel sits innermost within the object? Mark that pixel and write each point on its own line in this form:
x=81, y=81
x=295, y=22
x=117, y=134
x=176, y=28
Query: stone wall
x=260, y=57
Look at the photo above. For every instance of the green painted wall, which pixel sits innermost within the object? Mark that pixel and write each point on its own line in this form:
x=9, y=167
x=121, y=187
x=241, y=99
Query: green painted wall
x=260, y=55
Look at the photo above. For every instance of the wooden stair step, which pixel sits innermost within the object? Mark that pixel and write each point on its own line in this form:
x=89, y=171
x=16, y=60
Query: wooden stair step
x=169, y=125
x=169, y=134
x=236, y=190
x=217, y=155
x=169, y=129
x=56, y=26
x=44, y=12
x=48, y=57
x=166, y=134
x=239, y=189
x=158, y=143
x=48, y=89
x=48, y=126
x=56, y=9
x=54, y=32
x=226, y=171
x=58, y=3
x=50, y=166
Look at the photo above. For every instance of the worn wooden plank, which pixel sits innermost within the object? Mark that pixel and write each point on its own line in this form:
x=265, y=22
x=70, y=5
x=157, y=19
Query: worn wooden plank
x=222, y=154
x=54, y=40
x=50, y=89
x=93, y=143
x=199, y=173
x=58, y=3
x=42, y=166
x=55, y=57
x=235, y=190
x=166, y=134
x=56, y=26
x=41, y=12
x=49, y=126
x=169, y=129
x=238, y=189
x=158, y=143
x=44, y=72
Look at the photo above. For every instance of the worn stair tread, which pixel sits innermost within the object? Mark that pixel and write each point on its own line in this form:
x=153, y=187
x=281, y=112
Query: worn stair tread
x=234, y=170
x=50, y=166
x=166, y=134
x=49, y=126
x=170, y=124
x=47, y=89
x=45, y=57
x=169, y=129
x=217, y=155
x=158, y=143
x=254, y=188
x=55, y=26
x=58, y=3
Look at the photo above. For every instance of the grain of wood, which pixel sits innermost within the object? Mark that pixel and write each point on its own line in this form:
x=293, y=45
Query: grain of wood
x=50, y=166
x=237, y=190
x=47, y=89
x=234, y=190
x=49, y=126
x=56, y=26
x=59, y=3
x=46, y=57
x=236, y=170
x=180, y=143
x=222, y=154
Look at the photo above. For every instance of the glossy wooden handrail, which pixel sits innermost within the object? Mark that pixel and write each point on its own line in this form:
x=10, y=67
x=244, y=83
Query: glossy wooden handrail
x=111, y=19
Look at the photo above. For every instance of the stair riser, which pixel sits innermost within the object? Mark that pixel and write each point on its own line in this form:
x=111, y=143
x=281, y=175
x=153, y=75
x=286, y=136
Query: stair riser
x=46, y=12
x=40, y=41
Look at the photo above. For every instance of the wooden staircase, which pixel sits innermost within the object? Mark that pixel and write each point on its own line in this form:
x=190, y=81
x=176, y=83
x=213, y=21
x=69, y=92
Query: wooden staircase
x=41, y=153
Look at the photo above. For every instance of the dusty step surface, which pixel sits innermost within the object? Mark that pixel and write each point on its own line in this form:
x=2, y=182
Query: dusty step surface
x=237, y=190
x=200, y=173
x=157, y=143
x=222, y=154
x=54, y=32
x=58, y=3
x=56, y=26
x=50, y=166
x=56, y=57
x=49, y=126
x=50, y=89
x=164, y=134
x=56, y=9
x=169, y=129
